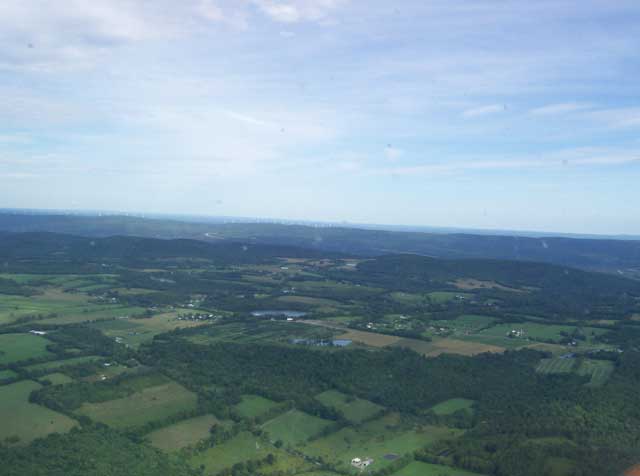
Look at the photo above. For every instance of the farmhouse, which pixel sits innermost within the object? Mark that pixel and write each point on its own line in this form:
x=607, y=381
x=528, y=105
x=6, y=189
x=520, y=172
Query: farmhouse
x=361, y=463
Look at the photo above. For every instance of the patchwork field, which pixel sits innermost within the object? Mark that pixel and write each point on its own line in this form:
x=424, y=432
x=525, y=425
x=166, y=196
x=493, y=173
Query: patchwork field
x=183, y=434
x=356, y=410
x=24, y=420
x=295, y=427
x=18, y=347
x=146, y=405
x=370, y=338
x=253, y=406
x=418, y=468
x=387, y=436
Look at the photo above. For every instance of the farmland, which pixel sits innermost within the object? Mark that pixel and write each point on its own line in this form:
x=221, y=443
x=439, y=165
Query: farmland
x=182, y=434
x=23, y=421
x=185, y=358
x=17, y=347
x=144, y=406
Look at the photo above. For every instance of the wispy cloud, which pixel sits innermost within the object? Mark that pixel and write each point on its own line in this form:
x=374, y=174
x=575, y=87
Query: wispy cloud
x=559, y=109
x=483, y=111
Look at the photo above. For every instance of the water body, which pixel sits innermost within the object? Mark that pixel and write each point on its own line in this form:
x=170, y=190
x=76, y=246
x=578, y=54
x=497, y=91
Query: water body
x=278, y=313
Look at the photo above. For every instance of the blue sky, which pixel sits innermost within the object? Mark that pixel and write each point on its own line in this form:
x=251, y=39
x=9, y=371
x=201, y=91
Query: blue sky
x=488, y=114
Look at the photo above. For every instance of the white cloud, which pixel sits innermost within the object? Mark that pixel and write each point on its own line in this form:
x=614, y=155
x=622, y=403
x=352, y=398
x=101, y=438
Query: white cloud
x=483, y=111
x=558, y=109
x=393, y=153
x=294, y=11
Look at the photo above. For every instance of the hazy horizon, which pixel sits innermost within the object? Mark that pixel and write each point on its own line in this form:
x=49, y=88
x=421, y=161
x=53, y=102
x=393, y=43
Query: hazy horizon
x=487, y=115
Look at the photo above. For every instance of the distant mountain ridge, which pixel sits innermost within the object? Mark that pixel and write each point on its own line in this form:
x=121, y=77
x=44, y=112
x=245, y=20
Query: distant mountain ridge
x=609, y=255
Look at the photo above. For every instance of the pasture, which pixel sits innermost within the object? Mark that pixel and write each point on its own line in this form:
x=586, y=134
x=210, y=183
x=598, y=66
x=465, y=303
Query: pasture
x=56, y=379
x=144, y=406
x=185, y=433
x=354, y=409
x=295, y=427
x=453, y=405
x=60, y=364
x=7, y=375
x=242, y=447
x=252, y=406
x=19, y=347
x=25, y=420
x=418, y=468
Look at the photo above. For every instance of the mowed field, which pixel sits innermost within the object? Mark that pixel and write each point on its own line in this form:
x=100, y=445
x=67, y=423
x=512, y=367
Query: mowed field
x=440, y=346
x=557, y=365
x=295, y=427
x=183, y=434
x=27, y=421
x=354, y=409
x=241, y=447
x=598, y=370
x=18, y=347
x=376, y=439
x=146, y=405
x=418, y=468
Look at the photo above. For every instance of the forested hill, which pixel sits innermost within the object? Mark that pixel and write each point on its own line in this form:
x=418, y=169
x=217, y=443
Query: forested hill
x=54, y=247
x=617, y=256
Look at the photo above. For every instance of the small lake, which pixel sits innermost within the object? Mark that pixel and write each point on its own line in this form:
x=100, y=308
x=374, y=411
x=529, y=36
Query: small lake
x=278, y=313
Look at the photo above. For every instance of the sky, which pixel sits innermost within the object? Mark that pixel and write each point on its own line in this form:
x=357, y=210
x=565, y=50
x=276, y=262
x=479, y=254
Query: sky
x=493, y=114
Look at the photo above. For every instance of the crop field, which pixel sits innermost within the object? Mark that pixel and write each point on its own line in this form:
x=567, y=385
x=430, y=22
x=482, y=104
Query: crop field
x=354, y=409
x=418, y=468
x=466, y=323
x=51, y=301
x=149, y=404
x=376, y=439
x=25, y=420
x=56, y=379
x=295, y=427
x=448, y=346
x=59, y=364
x=18, y=347
x=556, y=365
x=253, y=406
x=370, y=338
x=182, y=434
x=94, y=313
x=453, y=405
x=598, y=370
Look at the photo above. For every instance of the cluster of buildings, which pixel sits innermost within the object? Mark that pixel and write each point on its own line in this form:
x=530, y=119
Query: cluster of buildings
x=361, y=463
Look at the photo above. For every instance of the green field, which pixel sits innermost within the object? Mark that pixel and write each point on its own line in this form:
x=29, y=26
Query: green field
x=18, y=347
x=253, y=406
x=376, y=439
x=466, y=323
x=418, y=468
x=27, y=421
x=354, y=409
x=295, y=427
x=441, y=297
x=182, y=434
x=146, y=405
x=56, y=379
x=598, y=370
x=451, y=406
x=242, y=447
x=7, y=375
x=556, y=365
x=58, y=364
